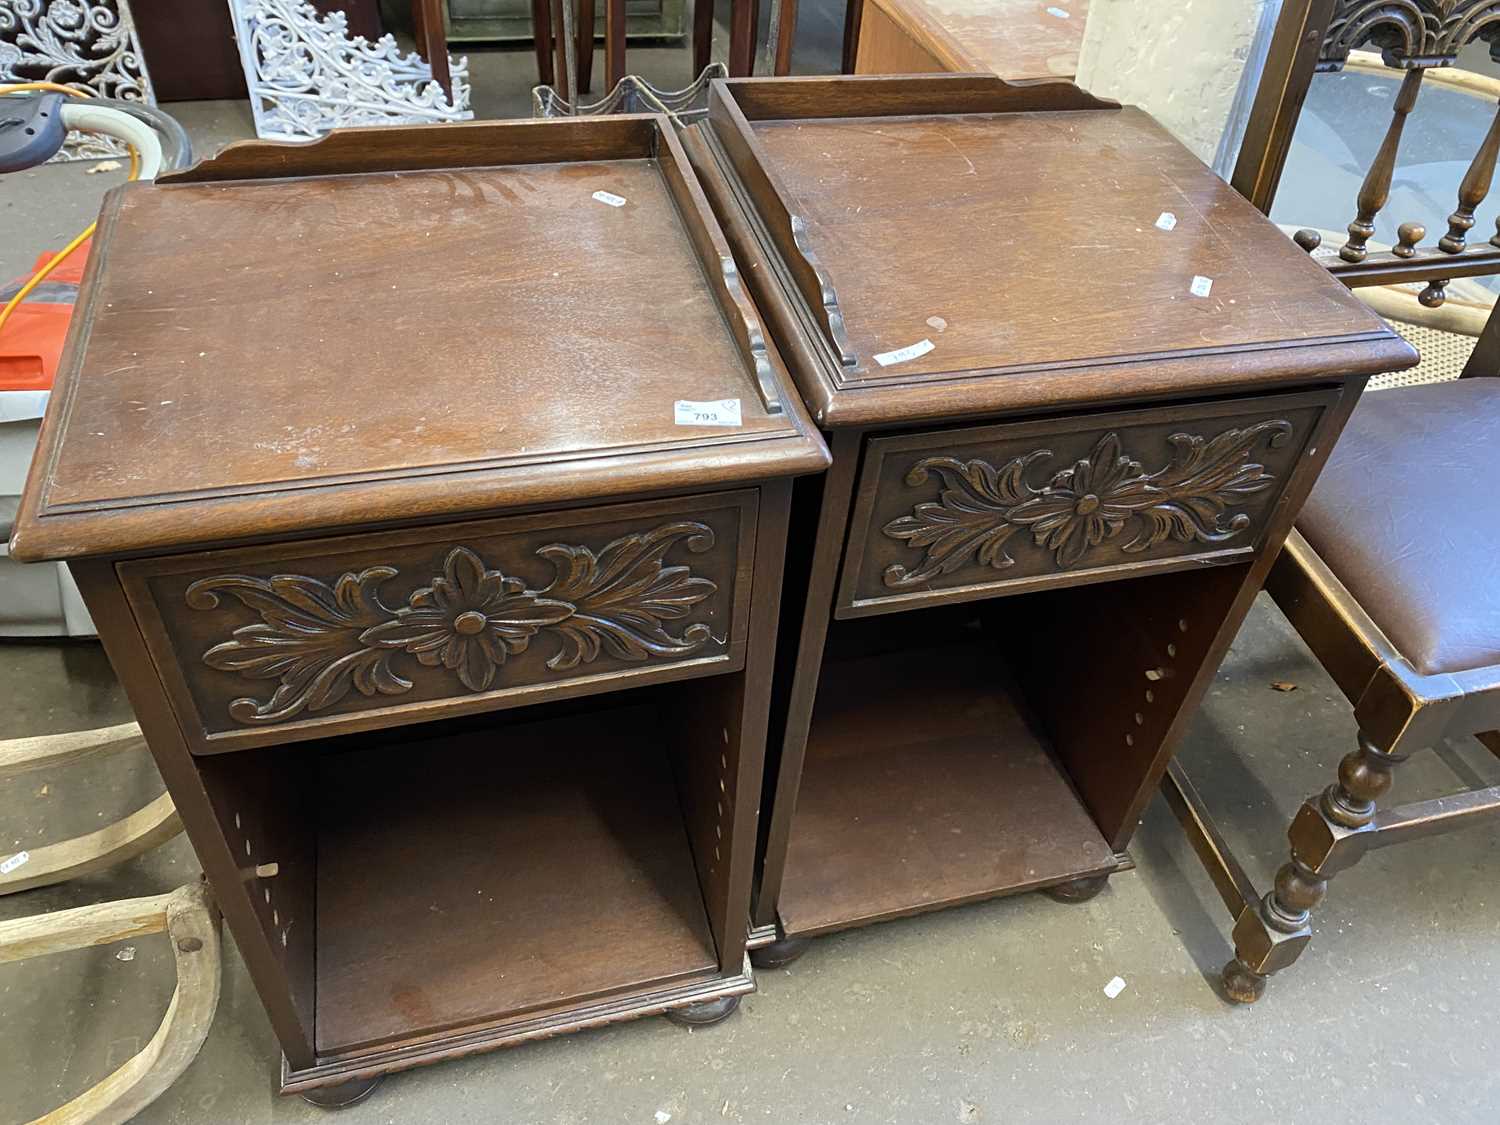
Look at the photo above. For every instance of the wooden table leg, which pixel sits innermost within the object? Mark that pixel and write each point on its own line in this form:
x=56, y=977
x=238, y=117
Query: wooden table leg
x=541, y=33
x=584, y=37
x=614, y=41
x=853, y=14
x=703, y=34
x=743, y=24
x=786, y=31
x=560, y=41
x=432, y=41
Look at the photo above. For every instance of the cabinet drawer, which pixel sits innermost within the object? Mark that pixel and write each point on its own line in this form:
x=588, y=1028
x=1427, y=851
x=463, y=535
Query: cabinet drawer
x=959, y=514
x=303, y=640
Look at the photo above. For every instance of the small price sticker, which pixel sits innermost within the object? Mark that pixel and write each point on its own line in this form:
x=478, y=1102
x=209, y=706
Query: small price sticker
x=901, y=355
x=14, y=862
x=1201, y=286
x=610, y=198
x=720, y=412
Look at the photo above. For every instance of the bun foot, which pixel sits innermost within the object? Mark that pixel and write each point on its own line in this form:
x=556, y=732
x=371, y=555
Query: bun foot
x=705, y=1014
x=779, y=953
x=1079, y=890
x=344, y=1094
x=1242, y=984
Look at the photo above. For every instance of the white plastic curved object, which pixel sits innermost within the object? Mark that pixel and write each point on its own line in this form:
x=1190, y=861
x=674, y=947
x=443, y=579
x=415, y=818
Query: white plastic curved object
x=121, y=126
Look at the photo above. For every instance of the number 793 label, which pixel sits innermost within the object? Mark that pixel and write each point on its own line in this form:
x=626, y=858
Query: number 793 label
x=720, y=412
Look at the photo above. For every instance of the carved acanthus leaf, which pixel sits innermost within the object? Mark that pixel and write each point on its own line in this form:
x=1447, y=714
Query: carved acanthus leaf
x=318, y=640
x=622, y=597
x=980, y=507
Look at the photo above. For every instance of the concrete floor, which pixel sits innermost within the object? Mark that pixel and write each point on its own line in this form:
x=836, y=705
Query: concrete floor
x=990, y=1013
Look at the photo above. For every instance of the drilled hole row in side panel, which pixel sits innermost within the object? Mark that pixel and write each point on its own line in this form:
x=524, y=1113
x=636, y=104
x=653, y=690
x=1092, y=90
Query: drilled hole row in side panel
x=1155, y=675
x=260, y=875
x=724, y=799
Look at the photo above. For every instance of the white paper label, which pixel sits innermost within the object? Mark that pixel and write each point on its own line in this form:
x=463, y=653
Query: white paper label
x=14, y=862
x=1166, y=221
x=1114, y=987
x=1201, y=286
x=1059, y=13
x=901, y=355
x=721, y=412
x=610, y=197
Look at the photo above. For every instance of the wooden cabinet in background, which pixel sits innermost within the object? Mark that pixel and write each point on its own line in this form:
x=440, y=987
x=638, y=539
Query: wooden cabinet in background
x=1011, y=38
x=1076, y=390
x=436, y=530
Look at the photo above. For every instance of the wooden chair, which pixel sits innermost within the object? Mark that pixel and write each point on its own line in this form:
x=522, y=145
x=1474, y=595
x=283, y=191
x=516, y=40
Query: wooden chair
x=1390, y=577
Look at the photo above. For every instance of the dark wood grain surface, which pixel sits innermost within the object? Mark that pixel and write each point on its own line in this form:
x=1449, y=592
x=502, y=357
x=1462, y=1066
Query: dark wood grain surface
x=541, y=864
x=282, y=378
x=1022, y=283
x=1026, y=260
x=926, y=785
x=399, y=344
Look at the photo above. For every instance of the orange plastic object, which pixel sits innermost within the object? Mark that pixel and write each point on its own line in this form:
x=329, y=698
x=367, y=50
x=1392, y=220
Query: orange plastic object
x=32, y=340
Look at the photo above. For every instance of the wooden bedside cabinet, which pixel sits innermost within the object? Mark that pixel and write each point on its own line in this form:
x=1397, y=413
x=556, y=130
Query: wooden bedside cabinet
x=429, y=487
x=1076, y=390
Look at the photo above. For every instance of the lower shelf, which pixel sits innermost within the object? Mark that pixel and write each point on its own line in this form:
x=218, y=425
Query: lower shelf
x=484, y=876
x=925, y=785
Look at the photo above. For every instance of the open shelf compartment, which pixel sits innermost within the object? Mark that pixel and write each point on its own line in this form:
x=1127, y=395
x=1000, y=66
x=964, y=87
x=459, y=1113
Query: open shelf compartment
x=928, y=780
x=493, y=875
x=490, y=875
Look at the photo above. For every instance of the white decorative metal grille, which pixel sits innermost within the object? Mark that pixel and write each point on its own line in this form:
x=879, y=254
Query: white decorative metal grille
x=86, y=43
x=307, y=75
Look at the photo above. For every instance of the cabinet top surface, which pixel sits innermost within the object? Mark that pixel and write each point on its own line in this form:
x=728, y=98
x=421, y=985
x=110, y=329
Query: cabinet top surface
x=288, y=337
x=1013, y=38
x=1054, y=244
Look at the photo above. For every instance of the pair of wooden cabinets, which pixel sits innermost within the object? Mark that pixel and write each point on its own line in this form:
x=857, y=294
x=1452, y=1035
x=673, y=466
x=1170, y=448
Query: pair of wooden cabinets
x=548, y=558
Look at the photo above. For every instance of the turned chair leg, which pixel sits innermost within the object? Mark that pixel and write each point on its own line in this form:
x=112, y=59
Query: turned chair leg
x=1329, y=834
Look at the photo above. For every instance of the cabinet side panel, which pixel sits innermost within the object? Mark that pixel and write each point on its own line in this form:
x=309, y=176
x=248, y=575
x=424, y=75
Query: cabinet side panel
x=284, y=986
x=1094, y=653
x=719, y=756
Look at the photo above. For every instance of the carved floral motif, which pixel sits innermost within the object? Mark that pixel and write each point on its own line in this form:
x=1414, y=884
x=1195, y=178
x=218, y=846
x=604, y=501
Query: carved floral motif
x=318, y=640
x=980, y=506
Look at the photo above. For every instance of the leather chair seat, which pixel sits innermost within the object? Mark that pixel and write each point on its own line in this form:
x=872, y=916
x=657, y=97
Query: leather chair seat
x=1407, y=516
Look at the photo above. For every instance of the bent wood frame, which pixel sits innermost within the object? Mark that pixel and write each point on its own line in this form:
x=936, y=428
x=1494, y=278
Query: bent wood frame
x=103, y=848
x=190, y=922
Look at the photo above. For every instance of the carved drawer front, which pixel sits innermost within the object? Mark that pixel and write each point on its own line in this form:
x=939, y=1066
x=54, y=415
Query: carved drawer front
x=959, y=514
x=302, y=640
